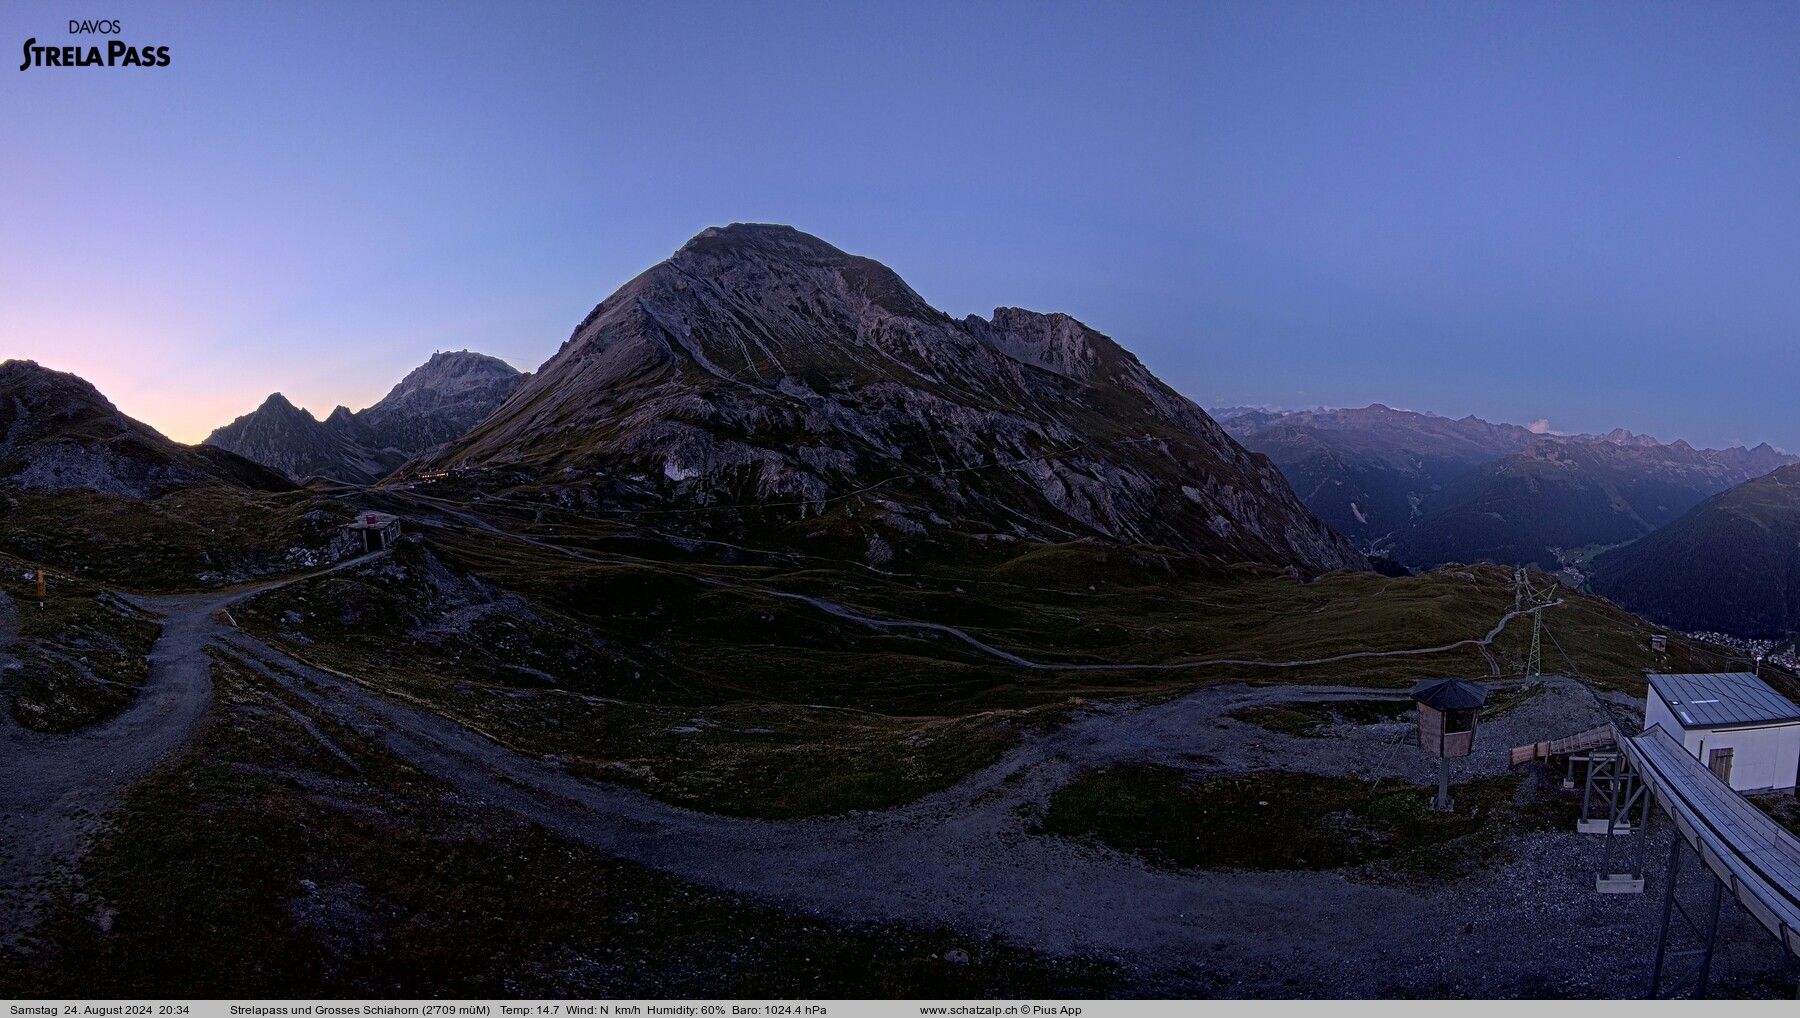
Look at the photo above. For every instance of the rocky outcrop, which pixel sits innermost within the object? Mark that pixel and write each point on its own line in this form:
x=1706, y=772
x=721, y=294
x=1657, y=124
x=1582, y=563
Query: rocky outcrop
x=58, y=433
x=762, y=377
x=439, y=401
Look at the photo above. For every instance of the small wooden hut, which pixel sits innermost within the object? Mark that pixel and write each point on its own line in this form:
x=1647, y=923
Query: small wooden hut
x=1448, y=712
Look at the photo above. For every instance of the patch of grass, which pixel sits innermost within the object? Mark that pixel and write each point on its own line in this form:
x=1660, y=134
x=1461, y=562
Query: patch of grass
x=81, y=656
x=195, y=537
x=1269, y=820
x=1286, y=719
x=263, y=864
x=1509, y=700
x=530, y=676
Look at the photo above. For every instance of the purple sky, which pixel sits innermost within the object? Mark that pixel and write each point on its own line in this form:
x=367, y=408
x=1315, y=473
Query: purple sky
x=1580, y=212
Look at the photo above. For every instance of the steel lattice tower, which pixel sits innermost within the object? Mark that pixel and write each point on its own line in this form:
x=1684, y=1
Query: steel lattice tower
x=1534, y=665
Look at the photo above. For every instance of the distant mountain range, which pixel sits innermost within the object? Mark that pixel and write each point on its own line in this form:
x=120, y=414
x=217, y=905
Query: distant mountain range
x=1369, y=471
x=762, y=379
x=436, y=402
x=1426, y=490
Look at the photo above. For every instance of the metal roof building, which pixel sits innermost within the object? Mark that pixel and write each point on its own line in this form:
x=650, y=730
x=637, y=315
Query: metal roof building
x=1722, y=699
x=1733, y=722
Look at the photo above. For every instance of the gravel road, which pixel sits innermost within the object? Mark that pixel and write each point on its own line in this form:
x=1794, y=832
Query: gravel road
x=57, y=787
x=965, y=858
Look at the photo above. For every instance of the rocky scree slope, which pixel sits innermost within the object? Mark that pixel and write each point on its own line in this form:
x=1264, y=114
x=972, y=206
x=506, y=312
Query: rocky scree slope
x=762, y=376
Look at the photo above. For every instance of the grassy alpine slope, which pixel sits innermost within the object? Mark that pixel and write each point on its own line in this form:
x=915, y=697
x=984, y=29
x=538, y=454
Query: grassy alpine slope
x=183, y=540
x=704, y=679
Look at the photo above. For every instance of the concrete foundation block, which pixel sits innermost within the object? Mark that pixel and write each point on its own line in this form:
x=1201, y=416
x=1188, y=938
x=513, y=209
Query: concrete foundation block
x=1619, y=883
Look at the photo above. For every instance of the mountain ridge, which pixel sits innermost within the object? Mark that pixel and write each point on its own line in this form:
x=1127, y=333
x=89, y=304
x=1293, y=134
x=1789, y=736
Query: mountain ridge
x=432, y=404
x=759, y=364
x=1429, y=489
x=1731, y=563
x=59, y=433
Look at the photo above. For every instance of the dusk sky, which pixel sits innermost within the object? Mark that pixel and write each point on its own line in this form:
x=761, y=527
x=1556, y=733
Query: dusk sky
x=1581, y=212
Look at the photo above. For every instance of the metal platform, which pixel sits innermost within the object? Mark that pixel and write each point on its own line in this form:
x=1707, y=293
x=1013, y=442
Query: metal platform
x=1753, y=857
x=1742, y=850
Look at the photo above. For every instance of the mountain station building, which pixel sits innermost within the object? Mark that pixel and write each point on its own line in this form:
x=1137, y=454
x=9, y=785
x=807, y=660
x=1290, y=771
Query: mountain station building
x=1733, y=722
x=370, y=532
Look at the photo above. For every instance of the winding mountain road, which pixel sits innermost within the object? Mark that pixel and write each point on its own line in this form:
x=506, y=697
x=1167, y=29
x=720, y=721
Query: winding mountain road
x=847, y=614
x=968, y=858
x=55, y=788
x=965, y=857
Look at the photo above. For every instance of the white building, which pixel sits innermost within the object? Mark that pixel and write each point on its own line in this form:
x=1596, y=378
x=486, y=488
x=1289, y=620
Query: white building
x=1745, y=732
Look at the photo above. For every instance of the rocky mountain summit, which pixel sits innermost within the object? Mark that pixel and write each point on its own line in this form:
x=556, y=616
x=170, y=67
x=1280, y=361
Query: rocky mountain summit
x=440, y=400
x=762, y=376
x=433, y=404
x=58, y=433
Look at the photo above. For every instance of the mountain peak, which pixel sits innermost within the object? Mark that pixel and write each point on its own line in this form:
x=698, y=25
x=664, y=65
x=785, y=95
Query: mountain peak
x=762, y=363
x=30, y=376
x=449, y=370
x=770, y=238
x=57, y=432
x=435, y=402
x=278, y=403
x=769, y=259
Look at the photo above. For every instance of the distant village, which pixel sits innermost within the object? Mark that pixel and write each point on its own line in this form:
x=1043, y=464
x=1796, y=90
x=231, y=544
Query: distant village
x=1780, y=653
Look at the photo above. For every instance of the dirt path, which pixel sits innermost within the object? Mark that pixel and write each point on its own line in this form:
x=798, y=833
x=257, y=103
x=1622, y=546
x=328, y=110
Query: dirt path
x=9, y=632
x=57, y=787
x=847, y=614
x=964, y=858
x=967, y=857
x=839, y=611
